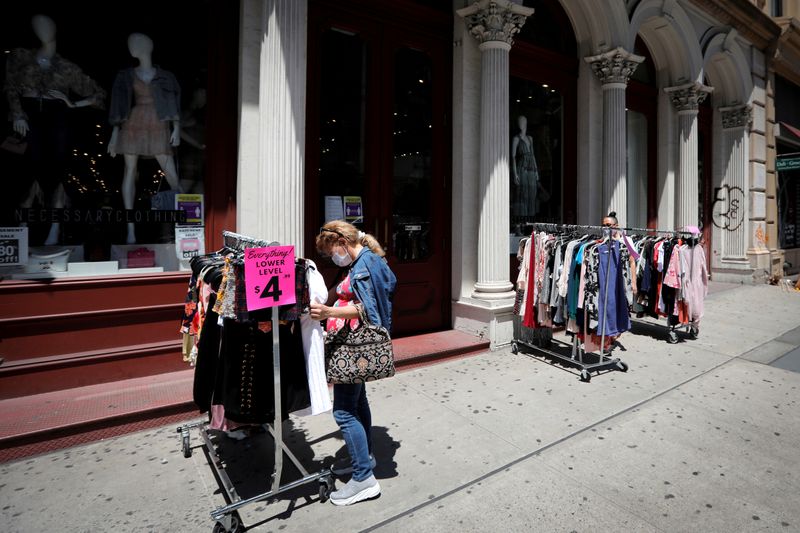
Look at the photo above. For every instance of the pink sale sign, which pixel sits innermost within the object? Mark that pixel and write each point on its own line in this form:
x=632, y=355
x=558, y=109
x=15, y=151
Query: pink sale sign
x=269, y=276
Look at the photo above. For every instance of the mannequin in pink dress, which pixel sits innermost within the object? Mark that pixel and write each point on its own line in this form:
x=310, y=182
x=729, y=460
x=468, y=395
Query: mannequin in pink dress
x=143, y=132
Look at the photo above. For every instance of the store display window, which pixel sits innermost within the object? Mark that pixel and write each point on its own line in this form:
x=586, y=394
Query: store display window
x=536, y=155
x=103, y=142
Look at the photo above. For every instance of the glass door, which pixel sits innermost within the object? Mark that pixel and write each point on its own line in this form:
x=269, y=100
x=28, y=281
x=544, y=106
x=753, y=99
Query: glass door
x=377, y=153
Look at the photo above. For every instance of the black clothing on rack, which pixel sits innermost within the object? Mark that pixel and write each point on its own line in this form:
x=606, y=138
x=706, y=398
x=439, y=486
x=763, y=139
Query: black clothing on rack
x=234, y=365
x=246, y=384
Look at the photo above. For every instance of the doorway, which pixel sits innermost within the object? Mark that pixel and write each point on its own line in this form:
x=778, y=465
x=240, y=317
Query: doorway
x=377, y=142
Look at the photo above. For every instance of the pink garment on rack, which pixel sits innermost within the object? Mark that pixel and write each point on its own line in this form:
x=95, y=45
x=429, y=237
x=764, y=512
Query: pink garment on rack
x=672, y=276
x=529, y=319
x=218, y=420
x=696, y=285
x=541, y=264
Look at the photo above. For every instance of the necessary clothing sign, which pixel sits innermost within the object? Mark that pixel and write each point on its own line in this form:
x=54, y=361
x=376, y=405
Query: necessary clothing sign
x=269, y=276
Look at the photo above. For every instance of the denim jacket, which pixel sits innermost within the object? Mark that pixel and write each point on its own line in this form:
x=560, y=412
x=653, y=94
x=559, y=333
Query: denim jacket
x=166, y=96
x=374, y=284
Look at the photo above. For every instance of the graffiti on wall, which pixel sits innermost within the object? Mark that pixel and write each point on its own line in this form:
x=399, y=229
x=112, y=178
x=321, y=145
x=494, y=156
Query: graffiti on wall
x=727, y=211
x=762, y=239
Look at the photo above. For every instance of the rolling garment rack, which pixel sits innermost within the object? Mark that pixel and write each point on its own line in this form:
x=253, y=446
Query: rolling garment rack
x=227, y=518
x=673, y=233
x=525, y=337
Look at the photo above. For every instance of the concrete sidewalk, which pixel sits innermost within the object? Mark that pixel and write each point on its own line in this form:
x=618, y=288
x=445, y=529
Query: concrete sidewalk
x=694, y=437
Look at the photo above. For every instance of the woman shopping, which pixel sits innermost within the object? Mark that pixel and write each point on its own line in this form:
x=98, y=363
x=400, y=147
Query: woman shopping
x=367, y=290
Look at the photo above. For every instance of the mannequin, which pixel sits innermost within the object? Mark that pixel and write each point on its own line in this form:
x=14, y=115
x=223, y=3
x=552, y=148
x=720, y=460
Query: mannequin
x=145, y=113
x=524, y=170
x=38, y=85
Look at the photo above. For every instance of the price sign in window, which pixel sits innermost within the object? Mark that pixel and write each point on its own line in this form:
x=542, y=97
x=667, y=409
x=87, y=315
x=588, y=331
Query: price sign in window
x=13, y=246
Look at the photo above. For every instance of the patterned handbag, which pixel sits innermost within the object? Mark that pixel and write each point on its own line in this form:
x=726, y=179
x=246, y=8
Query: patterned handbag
x=359, y=355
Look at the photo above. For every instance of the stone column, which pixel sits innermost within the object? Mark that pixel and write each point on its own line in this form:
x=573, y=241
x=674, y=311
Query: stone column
x=614, y=69
x=687, y=99
x=733, y=196
x=494, y=23
x=270, y=190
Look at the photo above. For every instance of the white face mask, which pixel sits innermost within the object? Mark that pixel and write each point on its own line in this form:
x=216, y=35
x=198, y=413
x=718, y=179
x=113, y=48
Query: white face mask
x=342, y=260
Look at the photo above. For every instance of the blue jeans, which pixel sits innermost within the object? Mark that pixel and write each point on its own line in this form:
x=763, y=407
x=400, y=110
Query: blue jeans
x=351, y=412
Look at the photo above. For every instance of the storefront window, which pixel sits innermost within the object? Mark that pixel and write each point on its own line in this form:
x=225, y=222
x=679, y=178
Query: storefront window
x=535, y=143
x=637, y=168
x=103, y=152
x=788, y=199
x=412, y=147
x=341, y=127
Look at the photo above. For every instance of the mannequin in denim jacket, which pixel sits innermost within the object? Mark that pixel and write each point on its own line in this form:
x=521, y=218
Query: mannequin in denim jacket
x=141, y=47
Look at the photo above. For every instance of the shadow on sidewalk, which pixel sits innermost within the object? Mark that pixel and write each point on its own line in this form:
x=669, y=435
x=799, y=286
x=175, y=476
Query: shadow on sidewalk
x=249, y=464
x=563, y=360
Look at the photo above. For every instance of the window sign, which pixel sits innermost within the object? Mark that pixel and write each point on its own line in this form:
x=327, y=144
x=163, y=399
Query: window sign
x=189, y=243
x=353, y=209
x=192, y=206
x=787, y=163
x=13, y=246
x=334, y=208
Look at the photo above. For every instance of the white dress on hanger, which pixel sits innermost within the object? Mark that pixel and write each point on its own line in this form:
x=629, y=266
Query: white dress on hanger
x=314, y=347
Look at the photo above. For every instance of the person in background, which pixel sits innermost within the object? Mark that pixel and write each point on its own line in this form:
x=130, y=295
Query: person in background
x=367, y=290
x=610, y=220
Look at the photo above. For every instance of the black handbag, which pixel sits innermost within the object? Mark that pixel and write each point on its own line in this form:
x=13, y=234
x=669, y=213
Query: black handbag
x=359, y=355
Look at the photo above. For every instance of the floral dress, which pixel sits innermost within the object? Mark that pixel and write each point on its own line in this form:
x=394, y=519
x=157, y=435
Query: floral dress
x=346, y=296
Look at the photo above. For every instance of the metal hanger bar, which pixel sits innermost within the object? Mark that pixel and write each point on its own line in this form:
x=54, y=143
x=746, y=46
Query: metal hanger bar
x=558, y=227
x=237, y=241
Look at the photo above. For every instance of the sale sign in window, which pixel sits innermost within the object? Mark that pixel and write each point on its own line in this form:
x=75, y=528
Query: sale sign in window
x=269, y=276
x=13, y=246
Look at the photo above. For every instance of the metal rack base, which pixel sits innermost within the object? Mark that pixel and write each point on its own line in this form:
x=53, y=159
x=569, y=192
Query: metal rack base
x=575, y=359
x=227, y=518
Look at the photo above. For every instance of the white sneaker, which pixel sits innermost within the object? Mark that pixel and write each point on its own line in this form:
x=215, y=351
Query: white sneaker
x=356, y=491
x=345, y=466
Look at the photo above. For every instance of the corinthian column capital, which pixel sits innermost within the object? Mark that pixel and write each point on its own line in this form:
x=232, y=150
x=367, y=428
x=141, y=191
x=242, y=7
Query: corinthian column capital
x=495, y=21
x=615, y=66
x=737, y=116
x=687, y=98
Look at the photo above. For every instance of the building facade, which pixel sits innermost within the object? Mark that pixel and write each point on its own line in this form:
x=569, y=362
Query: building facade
x=784, y=142
x=440, y=127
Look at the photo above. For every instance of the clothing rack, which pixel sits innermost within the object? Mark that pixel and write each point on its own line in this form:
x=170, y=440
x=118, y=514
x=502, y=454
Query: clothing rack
x=547, y=226
x=576, y=357
x=227, y=518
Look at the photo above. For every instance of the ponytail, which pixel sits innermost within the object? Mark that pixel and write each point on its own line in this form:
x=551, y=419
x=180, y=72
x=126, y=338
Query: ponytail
x=372, y=243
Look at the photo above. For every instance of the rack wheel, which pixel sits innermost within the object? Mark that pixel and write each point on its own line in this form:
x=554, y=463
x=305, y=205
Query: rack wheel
x=586, y=377
x=236, y=525
x=514, y=348
x=325, y=489
x=622, y=366
x=185, y=446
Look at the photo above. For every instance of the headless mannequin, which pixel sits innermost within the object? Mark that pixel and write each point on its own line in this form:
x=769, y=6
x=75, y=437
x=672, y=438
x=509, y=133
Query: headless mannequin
x=45, y=30
x=140, y=46
x=523, y=169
